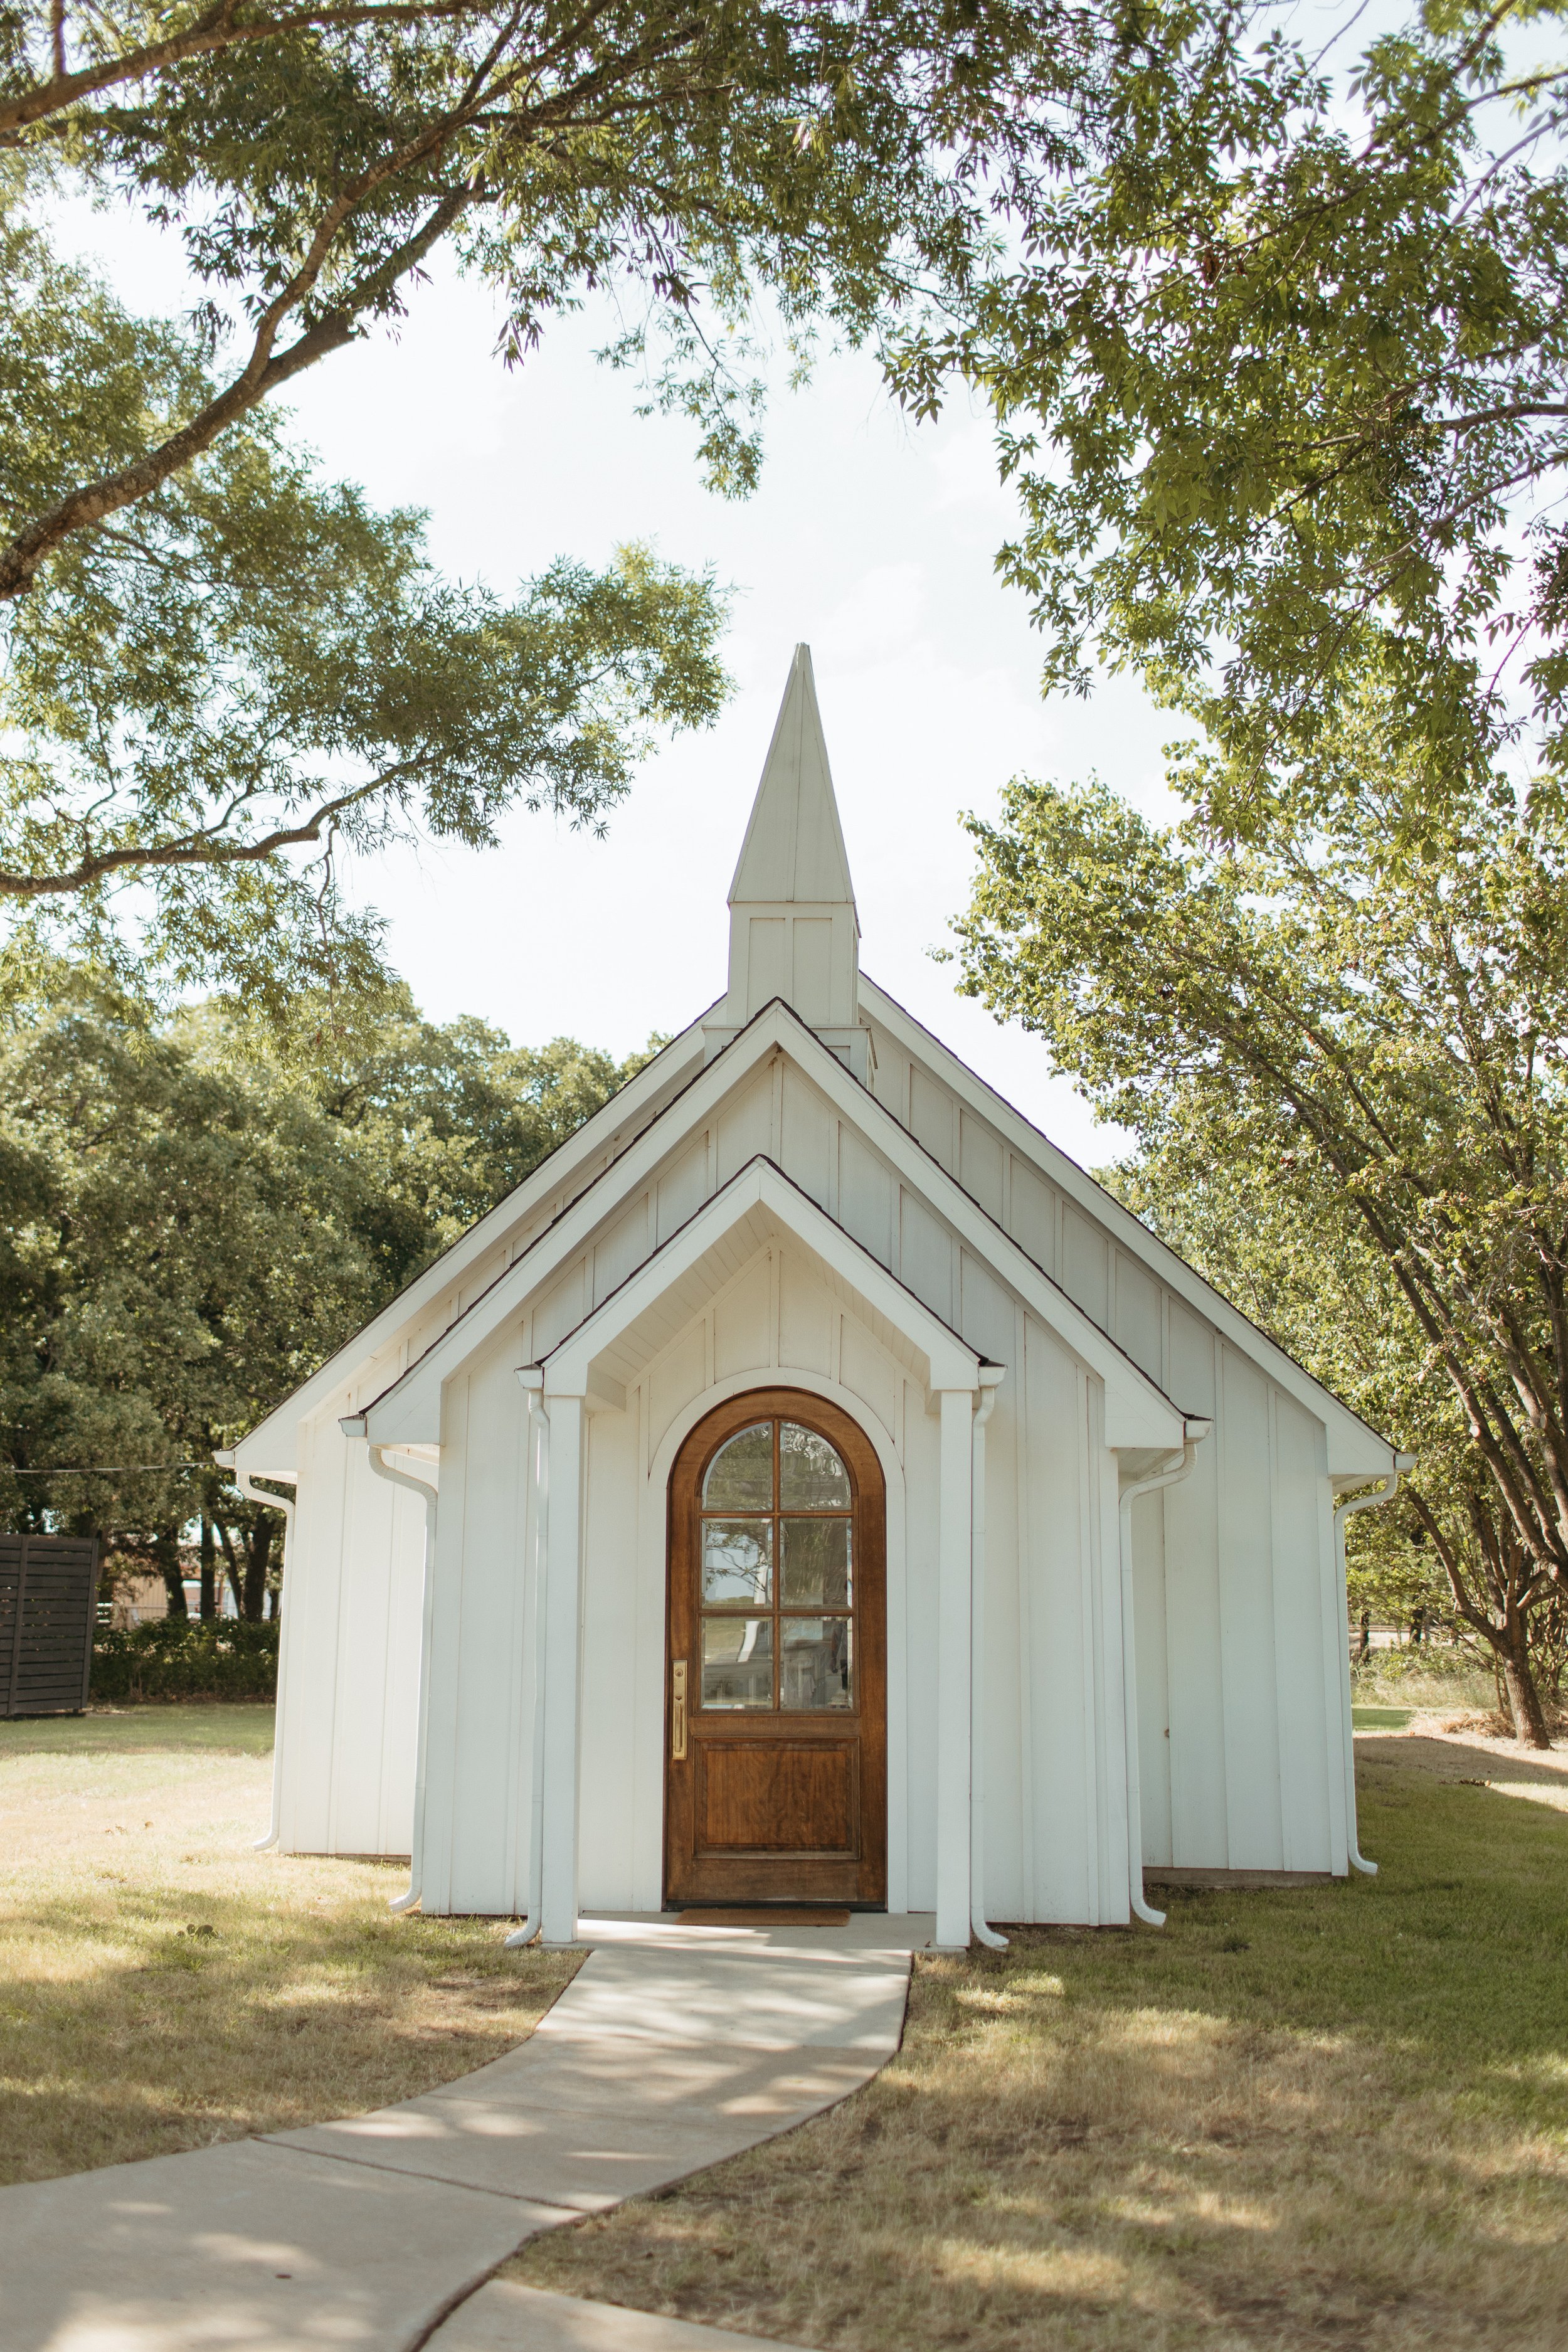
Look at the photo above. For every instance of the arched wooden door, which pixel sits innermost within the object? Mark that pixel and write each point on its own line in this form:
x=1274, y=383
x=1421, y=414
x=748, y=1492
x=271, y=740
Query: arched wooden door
x=776, y=1729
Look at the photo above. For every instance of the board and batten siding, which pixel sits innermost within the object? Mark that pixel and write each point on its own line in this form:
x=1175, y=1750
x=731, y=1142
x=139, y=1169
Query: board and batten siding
x=775, y=1321
x=1236, y=1607
x=349, y=1687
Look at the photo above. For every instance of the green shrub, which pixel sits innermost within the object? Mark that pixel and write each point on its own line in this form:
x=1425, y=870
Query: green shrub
x=173, y=1657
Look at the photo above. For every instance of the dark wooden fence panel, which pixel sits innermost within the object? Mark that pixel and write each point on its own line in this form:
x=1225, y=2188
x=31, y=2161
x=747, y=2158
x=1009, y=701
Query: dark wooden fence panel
x=49, y=1598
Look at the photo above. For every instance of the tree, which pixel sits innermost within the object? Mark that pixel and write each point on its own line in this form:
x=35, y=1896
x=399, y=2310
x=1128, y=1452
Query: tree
x=831, y=161
x=195, y=1214
x=1276, y=1233
x=1373, y=1020
x=1279, y=376
x=201, y=703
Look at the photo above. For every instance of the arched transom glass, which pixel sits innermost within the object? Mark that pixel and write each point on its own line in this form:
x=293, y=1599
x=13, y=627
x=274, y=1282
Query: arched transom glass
x=778, y=1582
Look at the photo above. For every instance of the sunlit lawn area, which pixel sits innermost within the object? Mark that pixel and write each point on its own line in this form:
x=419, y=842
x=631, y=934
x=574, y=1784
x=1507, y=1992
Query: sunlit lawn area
x=163, y=1986
x=1332, y=2117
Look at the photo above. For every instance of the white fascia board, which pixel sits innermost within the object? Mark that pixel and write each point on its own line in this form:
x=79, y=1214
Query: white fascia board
x=1354, y=1447
x=276, y=1436
x=950, y=1362
x=1138, y=1412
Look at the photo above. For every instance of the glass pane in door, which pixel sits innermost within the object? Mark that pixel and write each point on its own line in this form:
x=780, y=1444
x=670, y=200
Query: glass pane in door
x=815, y=1571
x=814, y=1662
x=740, y=1475
x=737, y=1662
x=811, y=1476
x=737, y=1563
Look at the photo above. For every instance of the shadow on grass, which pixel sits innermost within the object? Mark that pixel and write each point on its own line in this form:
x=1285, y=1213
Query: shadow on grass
x=1449, y=1962
x=1330, y=2115
x=182, y=1727
x=191, y=2017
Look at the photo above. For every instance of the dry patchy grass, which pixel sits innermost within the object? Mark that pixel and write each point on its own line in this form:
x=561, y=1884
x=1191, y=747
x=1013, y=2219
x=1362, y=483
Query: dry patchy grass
x=1333, y=2118
x=162, y=1987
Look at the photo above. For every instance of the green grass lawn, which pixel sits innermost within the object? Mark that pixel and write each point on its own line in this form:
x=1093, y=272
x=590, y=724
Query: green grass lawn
x=163, y=1986
x=188, y=1728
x=1332, y=2117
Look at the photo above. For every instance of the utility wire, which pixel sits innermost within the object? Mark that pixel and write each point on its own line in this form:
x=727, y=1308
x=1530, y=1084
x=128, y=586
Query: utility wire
x=101, y=1469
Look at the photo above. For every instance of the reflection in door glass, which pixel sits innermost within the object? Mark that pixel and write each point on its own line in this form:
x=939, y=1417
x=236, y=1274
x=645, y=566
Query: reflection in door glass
x=816, y=1565
x=740, y=1475
x=737, y=1662
x=737, y=1563
x=812, y=1478
x=814, y=1663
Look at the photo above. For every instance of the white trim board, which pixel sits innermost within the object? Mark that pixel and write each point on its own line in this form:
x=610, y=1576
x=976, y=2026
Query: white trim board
x=672, y=1067
x=574, y=1366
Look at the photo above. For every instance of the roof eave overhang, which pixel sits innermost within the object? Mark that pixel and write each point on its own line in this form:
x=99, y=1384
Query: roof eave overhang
x=1355, y=1449
x=1137, y=1412
x=263, y=1452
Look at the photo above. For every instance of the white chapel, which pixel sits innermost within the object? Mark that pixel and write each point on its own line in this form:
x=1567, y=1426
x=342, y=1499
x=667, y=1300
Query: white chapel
x=809, y=1486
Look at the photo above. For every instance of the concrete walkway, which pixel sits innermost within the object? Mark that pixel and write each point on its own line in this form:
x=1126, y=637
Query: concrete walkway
x=674, y=2046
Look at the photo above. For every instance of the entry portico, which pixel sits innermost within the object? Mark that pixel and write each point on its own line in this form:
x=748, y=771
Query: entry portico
x=809, y=1482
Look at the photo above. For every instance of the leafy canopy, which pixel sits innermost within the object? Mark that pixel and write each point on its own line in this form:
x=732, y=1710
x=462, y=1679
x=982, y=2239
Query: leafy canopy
x=1374, y=1026
x=209, y=695
x=832, y=160
x=196, y=1211
x=1278, y=375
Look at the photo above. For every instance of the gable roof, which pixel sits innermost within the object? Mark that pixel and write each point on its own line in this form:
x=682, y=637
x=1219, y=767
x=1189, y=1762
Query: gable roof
x=604, y=1353
x=793, y=859
x=1138, y=1411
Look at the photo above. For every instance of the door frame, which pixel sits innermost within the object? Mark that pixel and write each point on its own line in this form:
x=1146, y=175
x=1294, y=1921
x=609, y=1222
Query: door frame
x=815, y=1881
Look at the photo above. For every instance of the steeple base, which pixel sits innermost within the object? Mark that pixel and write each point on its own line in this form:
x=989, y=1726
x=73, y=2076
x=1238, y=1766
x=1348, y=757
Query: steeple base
x=852, y=1045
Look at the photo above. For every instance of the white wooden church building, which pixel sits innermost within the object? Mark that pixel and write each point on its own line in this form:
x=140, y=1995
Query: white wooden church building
x=809, y=1486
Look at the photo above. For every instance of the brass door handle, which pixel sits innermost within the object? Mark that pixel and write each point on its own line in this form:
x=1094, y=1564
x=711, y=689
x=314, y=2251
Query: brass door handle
x=677, y=1711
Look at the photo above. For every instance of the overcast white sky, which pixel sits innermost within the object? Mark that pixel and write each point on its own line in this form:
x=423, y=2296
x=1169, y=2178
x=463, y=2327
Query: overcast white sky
x=871, y=539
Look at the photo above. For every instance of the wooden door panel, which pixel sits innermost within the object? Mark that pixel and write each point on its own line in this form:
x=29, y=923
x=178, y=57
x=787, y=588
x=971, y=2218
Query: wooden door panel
x=802, y=1797
x=776, y=1789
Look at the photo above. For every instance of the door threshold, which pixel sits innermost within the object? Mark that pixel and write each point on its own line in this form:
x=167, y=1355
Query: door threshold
x=763, y=1915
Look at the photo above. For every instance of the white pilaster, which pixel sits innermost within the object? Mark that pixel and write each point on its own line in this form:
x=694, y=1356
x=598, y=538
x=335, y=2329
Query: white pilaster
x=954, y=1709
x=562, y=1670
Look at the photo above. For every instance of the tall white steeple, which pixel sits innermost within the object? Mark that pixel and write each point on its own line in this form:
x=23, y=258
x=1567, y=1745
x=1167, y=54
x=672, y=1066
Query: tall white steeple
x=793, y=932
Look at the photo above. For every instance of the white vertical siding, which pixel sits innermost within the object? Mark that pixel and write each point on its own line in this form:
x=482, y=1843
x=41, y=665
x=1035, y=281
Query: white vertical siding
x=351, y=1620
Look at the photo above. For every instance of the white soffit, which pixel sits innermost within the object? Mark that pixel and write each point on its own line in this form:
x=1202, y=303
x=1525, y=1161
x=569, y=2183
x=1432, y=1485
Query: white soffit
x=613, y=1345
x=1138, y=1412
x=1354, y=1447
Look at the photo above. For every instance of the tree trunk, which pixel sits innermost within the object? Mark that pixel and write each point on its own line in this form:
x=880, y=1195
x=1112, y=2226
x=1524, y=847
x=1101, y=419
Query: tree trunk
x=166, y=1551
x=258, y=1556
x=1518, y=1685
x=209, y=1570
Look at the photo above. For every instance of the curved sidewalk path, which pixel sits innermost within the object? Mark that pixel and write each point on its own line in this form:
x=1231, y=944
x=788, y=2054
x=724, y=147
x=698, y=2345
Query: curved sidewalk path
x=674, y=2046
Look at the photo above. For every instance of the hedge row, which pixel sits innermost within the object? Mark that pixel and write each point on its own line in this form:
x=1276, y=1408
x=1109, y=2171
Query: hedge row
x=173, y=1657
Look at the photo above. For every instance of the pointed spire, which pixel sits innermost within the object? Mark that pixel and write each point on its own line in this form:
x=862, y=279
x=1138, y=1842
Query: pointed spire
x=794, y=931
x=794, y=848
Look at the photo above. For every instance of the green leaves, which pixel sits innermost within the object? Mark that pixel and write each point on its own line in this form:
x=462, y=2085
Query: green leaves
x=196, y=1212
x=816, y=161
x=1280, y=382
x=209, y=695
x=1341, y=1049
